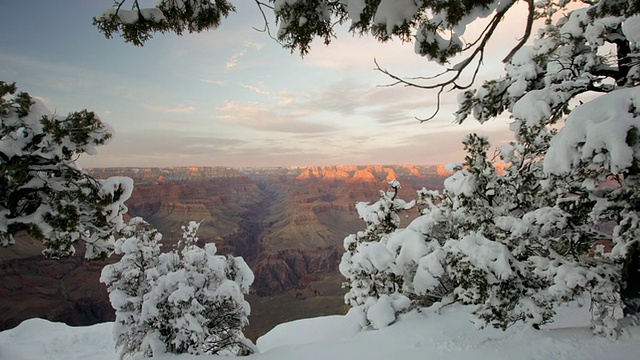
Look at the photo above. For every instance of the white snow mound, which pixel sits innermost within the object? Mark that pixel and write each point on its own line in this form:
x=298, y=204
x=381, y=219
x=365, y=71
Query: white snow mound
x=416, y=335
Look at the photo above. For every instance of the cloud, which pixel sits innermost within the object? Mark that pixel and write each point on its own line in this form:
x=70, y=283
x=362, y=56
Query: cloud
x=178, y=109
x=214, y=82
x=422, y=148
x=401, y=55
x=384, y=105
x=140, y=148
x=202, y=144
x=324, y=109
x=253, y=45
x=255, y=89
x=261, y=118
x=233, y=61
x=247, y=45
x=57, y=75
x=181, y=109
x=391, y=115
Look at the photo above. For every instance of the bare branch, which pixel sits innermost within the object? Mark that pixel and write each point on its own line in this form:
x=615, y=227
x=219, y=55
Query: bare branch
x=261, y=5
x=437, y=108
x=527, y=33
x=476, y=55
x=120, y=3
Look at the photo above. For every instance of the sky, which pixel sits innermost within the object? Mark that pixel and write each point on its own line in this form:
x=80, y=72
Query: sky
x=233, y=96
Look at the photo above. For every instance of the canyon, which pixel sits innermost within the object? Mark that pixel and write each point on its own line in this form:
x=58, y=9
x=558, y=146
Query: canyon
x=288, y=223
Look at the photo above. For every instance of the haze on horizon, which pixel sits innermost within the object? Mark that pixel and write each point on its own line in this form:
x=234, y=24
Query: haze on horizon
x=233, y=96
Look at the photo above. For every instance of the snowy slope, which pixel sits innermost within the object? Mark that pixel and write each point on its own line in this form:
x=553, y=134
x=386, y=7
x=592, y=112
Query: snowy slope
x=417, y=335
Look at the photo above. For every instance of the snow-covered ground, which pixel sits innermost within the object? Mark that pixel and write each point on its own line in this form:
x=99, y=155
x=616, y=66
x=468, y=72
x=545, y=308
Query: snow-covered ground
x=417, y=335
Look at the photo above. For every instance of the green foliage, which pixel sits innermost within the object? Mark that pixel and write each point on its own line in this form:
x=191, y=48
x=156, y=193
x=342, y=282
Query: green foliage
x=138, y=25
x=44, y=192
x=302, y=21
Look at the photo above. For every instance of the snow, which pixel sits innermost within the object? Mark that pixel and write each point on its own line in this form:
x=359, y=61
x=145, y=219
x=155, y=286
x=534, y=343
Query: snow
x=109, y=188
x=394, y=13
x=381, y=313
x=42, y=339
x=490, y=256
x=631, y=29
x=443, y=333
x=375, y=255
x=410, y=246
x=182, y=294
x=153, y=14
x=522, y=68
x=535, y=106
x=461, y=182
x=244, y=275
x=579, y=23
x=569, y=276
x=128, y=16
x=597, y=130
x=327, y=329
x=547, y=219
x=429, y=270
x=354, y=8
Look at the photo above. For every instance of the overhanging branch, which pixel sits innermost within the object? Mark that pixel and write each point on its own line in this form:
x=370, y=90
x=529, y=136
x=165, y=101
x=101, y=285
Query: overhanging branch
x=476, y=57
x=527, y=33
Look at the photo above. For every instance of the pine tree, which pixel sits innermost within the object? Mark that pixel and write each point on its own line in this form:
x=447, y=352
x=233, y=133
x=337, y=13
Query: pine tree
x=524, y=238
x=187, y=300
x=591, y=161
x=129, y=281
x=515, y=244
x=43, y=190
x=368, y=265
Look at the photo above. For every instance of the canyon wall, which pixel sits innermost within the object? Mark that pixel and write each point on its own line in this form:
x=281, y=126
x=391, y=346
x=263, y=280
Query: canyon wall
x=288, y=223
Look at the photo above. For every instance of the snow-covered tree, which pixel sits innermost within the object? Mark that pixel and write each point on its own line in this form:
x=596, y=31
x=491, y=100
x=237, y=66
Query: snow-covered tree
x=128, y=281
x=468, y=259
x=591, y=162
x=373, y=279
x=187, y=300
x=520, y=243
x=595, y=156
x=515, y=244
x=43, y=191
